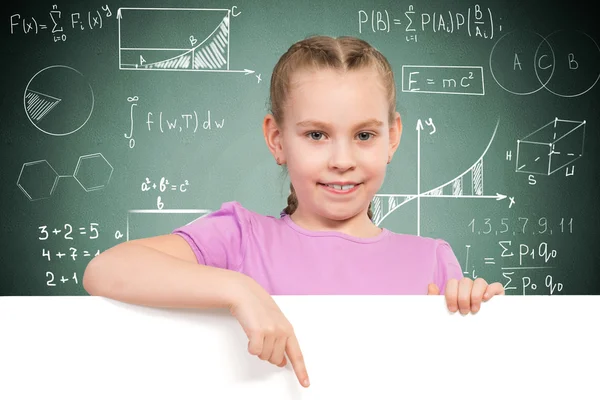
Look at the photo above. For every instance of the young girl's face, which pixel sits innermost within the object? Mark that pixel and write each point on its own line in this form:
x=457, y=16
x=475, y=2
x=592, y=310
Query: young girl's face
x=336, y=132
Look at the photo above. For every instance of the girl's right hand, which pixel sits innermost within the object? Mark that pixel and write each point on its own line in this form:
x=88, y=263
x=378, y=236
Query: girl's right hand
x=269, y=332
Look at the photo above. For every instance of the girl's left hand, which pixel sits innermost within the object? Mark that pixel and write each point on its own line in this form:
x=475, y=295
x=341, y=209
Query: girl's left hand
x=466, y=295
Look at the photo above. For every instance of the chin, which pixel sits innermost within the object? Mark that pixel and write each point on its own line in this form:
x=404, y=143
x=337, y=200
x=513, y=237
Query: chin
x=340, y=215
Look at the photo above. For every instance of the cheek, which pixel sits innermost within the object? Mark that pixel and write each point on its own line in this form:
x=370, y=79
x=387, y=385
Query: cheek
x=302, y=171
x=305, y=163
x=377, y=175
x=375, y=161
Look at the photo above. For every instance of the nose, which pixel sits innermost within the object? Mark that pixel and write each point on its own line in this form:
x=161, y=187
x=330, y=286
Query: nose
x=342, y=156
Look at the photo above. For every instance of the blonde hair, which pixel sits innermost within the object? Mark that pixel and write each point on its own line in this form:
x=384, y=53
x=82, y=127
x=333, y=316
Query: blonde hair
x=344, y=53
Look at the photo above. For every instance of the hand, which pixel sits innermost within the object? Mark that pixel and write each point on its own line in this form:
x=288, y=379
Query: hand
x=269, y=332
x=465, y=295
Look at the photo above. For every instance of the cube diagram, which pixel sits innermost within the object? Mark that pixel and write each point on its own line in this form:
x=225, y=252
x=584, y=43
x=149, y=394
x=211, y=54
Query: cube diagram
x=551, y=147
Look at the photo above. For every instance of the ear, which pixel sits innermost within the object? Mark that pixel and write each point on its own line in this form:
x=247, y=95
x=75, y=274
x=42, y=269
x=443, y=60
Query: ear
x=395, y=135
x=273, y=138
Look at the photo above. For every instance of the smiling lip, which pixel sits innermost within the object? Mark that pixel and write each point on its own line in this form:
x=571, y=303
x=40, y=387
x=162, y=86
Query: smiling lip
x=340, y=187
x=340, y=183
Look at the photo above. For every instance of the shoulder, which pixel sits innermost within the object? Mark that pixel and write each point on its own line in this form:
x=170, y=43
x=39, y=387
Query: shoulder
x=422, y=243
x=434, y=255
x=231, y=208
x=426, y=248
x=231, y=215
x=220, y=237
x=236, y=210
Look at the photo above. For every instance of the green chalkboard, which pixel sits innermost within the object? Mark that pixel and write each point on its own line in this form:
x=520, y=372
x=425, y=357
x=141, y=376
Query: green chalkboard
x=126, y=120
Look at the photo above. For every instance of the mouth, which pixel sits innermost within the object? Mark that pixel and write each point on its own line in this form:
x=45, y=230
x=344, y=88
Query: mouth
x=340, y=187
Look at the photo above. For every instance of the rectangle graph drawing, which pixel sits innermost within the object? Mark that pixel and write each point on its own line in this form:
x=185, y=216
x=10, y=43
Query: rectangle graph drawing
x=174, y=39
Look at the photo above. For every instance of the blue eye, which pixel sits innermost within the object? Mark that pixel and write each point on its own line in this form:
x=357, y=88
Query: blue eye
x=364, y=136
x=315, y=135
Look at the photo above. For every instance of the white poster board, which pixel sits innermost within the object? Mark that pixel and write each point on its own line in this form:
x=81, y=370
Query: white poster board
x=355, y=347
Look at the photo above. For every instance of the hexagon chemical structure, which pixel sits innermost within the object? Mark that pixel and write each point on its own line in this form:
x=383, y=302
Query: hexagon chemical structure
x=93, y=172
x=38, y=179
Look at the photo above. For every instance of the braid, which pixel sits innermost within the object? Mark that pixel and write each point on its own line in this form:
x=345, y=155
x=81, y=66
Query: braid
x=292, y=201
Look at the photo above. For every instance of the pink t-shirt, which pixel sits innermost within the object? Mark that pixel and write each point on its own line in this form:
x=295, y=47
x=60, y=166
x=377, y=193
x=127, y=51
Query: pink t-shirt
x=286, y=259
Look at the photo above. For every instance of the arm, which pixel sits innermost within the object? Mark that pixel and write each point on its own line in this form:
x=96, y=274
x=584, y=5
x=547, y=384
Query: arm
x=447, y=266
x=165, y=271
x=160, y=271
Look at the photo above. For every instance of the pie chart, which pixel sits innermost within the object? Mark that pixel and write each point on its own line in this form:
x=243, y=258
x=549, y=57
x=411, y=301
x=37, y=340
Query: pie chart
x=58, y=100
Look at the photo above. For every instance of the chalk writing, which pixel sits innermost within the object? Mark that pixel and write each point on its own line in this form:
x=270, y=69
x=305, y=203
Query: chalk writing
x=555, y=145
x=443, y=79
x=181, y=122
x=67, y=231
x=62, y=280
x=38, y=180
x=476, y=21
x=55, y=22
x=163, y=186
x=133, y=101
x=72, y=253
x=521, y=225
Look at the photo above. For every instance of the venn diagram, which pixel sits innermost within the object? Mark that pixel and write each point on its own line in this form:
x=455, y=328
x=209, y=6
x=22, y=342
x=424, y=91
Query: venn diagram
x=565, y=62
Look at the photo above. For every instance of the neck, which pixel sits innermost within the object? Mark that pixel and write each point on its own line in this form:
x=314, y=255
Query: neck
x=359, y=225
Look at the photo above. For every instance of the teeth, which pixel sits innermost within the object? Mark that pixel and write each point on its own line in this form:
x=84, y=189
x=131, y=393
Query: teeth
x=340, y=187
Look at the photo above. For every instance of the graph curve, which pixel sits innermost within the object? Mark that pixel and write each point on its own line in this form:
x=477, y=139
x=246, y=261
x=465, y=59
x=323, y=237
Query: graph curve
x=379, y=216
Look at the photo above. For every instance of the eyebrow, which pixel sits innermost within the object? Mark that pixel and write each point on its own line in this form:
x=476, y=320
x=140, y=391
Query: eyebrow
x=324, y=125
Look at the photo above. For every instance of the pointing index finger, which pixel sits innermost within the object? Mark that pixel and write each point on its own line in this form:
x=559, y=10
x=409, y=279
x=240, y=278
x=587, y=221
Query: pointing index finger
x=294, y=353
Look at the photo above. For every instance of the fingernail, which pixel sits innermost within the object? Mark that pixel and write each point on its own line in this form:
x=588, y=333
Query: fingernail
x=306, y=382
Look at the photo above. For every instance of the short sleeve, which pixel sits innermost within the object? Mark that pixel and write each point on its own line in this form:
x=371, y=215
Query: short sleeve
x=218, y=239
x=447, y=266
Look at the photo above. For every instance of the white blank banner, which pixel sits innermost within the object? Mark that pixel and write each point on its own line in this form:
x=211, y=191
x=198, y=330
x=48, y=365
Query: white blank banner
x=355, y=347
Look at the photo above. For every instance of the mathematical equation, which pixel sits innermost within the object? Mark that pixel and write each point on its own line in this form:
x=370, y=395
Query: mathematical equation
x=163, y=186
x=526, y=284
x=94, y=19
x=68, y=231
x=526, y=253
x=476, y=22
x=63, y=280
x=186, y=121
x=72, y=253
x=182, y=123
x=443, y=79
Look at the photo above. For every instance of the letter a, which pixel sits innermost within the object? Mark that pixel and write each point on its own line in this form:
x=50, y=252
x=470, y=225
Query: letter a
x=517, y=62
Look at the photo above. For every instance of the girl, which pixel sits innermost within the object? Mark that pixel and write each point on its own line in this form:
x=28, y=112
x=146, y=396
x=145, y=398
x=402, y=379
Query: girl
x=333, y=125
